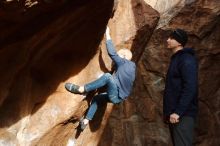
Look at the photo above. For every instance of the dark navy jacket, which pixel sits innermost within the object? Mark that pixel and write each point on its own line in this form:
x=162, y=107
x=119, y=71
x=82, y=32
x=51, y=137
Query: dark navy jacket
x=124, y=73
x=181, y=89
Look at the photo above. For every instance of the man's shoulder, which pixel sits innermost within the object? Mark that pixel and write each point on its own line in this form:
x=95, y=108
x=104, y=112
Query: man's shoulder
x=187, y=53
x=131, y=63
x=187, y=59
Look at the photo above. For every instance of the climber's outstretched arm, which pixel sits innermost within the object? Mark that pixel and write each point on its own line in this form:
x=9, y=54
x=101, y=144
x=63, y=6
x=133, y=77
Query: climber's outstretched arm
x=111, y=49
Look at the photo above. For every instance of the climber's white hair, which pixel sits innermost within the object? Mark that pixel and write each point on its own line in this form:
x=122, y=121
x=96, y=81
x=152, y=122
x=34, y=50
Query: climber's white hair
x=125, y=53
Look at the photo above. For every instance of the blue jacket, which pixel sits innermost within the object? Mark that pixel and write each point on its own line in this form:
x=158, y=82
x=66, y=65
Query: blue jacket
x=125, y=71
x=181, y=88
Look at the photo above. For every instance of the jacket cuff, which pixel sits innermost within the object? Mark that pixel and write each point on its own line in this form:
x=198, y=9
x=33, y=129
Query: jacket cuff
x=178, y=112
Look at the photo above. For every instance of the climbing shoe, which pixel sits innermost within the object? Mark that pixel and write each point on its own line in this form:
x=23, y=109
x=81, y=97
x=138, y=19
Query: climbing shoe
x=82, y=125
x=72, y=88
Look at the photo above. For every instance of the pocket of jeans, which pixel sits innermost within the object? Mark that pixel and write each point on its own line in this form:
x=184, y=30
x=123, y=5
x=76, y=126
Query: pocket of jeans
x=114, y=99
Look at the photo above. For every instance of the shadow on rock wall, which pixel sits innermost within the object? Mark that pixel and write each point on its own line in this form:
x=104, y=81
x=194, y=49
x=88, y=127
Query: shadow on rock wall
x=45, y=48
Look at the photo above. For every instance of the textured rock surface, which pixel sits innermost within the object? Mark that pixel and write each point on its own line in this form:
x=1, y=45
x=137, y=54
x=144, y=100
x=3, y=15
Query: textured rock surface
x=42, y=47
x=46, y=43
x=139, y=120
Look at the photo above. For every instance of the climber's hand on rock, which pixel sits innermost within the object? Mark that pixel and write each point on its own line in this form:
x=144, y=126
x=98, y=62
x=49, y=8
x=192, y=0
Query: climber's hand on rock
x=107, y=33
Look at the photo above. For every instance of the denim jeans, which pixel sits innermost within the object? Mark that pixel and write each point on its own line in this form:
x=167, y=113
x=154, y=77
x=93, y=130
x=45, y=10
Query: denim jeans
x=110, y=96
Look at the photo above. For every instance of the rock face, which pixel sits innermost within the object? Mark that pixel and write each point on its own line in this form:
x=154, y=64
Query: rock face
x=138, y=121
x=46, y=43
x=42, y=47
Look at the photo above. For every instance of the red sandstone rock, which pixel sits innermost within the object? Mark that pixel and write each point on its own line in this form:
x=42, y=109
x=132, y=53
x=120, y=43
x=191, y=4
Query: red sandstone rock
x=141, y=124
x=46, y=43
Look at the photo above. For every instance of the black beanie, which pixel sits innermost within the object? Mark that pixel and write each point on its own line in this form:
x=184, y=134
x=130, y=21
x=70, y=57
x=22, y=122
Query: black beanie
x=180, y=36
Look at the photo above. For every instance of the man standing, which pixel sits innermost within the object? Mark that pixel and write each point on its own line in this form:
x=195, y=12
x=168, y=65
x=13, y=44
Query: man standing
x=181, y=90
